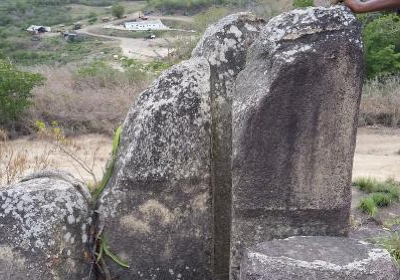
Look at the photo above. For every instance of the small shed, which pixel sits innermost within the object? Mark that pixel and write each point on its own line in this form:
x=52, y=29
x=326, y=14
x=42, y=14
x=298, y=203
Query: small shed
x=145, y=25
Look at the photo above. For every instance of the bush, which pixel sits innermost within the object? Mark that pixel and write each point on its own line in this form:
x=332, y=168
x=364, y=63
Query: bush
x=381, y=37
x=303, y=3
x=380, y=102
x=118, y=10
x=15, y=91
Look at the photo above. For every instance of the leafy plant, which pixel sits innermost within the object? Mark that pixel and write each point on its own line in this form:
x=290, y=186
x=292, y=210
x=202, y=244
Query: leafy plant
x=110, y=166
x=15, y=91
x=104, y=250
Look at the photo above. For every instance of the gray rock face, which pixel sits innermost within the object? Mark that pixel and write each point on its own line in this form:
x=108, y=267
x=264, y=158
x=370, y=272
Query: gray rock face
x=156, y=210
x=317, y=258
x=44, y=225
x=224, y=45
x=294, y=128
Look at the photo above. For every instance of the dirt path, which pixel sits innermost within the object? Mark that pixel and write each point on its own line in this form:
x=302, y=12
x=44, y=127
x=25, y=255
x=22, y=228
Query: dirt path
x=377, y=153
x=137, y=48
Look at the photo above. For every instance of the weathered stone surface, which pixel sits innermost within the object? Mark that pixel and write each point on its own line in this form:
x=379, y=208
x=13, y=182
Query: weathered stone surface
x=224, y=45
x=44, y=224
x=294, y=127
x=317, y=258
x=156, y=210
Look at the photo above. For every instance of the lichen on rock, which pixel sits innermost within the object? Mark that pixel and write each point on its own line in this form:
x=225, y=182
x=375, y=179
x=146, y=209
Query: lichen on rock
x=44, y=221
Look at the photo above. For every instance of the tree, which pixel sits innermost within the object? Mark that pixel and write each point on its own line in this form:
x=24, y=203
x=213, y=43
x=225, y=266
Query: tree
x=381, y=37
x=15, y=91
x=118, y=10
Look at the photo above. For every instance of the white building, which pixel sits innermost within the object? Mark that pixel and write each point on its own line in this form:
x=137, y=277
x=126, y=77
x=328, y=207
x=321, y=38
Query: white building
x=145, y=25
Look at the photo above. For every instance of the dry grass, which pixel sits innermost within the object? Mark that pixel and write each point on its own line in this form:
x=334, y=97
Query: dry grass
x=83, y=104
x=14, y=164
x=380, y=103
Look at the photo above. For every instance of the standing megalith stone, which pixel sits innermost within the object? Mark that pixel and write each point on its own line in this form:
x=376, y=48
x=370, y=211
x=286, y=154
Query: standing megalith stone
x=156, y=209
x=317, y=258
x=224, y=45
x=294, y=128
x=44, y=225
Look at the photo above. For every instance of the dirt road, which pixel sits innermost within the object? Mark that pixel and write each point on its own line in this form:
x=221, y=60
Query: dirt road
x=137, y=48
x=377, y=153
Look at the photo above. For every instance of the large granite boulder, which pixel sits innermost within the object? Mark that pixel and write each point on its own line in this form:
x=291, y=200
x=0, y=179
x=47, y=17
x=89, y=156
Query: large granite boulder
x=294, y=128
x=44, y=226
x=157, y=210
x=225, y=46
x=317, y=258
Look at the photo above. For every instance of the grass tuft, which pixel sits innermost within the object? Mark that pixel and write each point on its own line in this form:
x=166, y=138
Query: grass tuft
x=392, y=244
x=367, y=205
x=381, y=194
x=365, y=184
x=382, y=199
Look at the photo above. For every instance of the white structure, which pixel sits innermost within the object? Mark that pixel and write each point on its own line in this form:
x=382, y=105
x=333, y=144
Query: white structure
x=38, y=29
x=145, y=25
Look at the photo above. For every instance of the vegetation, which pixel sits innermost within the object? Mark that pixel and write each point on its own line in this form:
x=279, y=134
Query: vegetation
x=94, y=97
x=380, y=102
x=367, y=205
x=118, y=10
x=392, y=244
x=16, y=163
x=15, y=92
x=110, y=166
x=303, y=3
x=184, y=4
x=204, y=19
x=381, y=194
x=381, y=36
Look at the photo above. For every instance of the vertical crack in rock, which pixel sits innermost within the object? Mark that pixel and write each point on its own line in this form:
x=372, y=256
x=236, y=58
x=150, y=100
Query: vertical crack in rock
x=224, y=45
x=294, y=128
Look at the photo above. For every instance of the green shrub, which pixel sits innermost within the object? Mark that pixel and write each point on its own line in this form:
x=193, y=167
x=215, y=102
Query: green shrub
x=303, y=3
x=118, y=10
x=15, y=91
x=367, y=205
